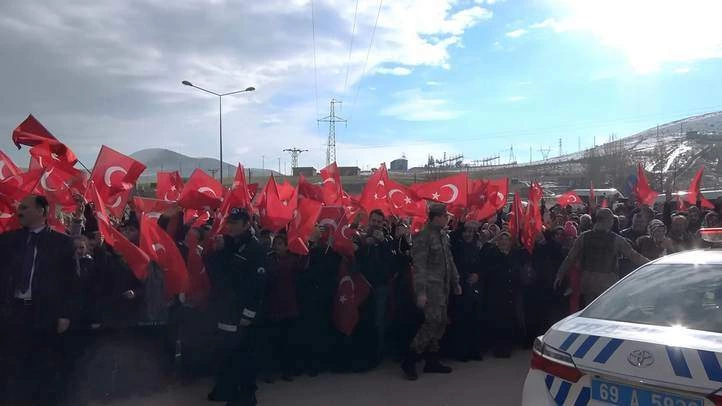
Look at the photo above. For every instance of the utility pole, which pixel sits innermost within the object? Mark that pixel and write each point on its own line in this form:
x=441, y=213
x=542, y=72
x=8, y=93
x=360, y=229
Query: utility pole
x=279, y=166
x=332, y=119
x=560, y=147
x=263, y=162
x=529, y=153
x=295, y=153
x=579, y=143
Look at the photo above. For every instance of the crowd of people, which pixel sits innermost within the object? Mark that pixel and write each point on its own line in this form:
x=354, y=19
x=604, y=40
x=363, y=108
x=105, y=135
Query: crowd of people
x=458, y=289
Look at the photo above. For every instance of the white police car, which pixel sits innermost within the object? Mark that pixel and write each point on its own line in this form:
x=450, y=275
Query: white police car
x=653, y=339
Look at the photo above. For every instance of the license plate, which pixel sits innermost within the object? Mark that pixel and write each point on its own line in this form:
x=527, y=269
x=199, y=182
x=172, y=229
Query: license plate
x=623, y=395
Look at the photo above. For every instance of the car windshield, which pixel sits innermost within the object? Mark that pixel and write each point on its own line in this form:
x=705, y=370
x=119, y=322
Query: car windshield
x=665, y=295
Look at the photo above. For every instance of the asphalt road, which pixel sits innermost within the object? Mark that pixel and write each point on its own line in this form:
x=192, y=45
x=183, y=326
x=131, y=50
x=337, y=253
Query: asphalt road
x=490, y=382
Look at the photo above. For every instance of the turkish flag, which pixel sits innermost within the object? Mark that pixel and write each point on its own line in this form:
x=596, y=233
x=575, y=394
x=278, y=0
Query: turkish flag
x=533, y=220
x=694, y=194
x=451, y=190
x=331, y=217
x=642, y=190
x=286, y=191
x=276, y=213
x=605, y=203
x=199, y=286
x=352, y=291
x=403, y=201
x=487, y=197
x=8, y=220
x=343, y=238
x=309, y=190
x=375, y=194
x=162, y=249
x=202, y=191
x=136, y=259
x=332, y=189
x=302, y=225
x=30, y=132
x=114, y=174
x=55, y=184
x=237, y=196
x=418, y=223
x=569, y=198
x=7, y=167
x=14, y=188
x=152, y=208
x=169, y=186
x=517, y=217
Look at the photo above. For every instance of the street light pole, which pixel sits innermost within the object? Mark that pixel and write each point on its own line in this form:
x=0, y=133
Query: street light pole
x=220, y=117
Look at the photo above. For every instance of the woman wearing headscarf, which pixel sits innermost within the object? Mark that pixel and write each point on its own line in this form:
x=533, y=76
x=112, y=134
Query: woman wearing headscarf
x=656, y=244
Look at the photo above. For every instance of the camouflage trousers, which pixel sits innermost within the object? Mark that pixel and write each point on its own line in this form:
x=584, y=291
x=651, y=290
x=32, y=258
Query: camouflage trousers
x=432, y=330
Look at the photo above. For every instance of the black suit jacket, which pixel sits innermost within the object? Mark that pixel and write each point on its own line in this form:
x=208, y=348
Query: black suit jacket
x=54, y=278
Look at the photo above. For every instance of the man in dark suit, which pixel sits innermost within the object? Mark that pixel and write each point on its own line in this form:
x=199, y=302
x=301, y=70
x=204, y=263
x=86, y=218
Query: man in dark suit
x=37, y=279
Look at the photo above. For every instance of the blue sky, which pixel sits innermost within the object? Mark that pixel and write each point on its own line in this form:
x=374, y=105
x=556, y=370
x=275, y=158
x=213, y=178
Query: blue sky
x=456, y=76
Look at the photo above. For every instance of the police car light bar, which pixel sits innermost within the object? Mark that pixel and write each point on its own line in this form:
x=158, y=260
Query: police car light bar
x=711, y=235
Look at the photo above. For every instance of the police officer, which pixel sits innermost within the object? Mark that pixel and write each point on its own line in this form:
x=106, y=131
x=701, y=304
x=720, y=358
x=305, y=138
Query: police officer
x=435, y=276
x=236, y=271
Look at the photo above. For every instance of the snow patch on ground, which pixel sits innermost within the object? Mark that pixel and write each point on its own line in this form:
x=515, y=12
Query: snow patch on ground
x=684, y=147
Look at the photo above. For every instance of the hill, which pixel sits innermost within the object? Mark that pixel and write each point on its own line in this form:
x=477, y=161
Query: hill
x=160, y=159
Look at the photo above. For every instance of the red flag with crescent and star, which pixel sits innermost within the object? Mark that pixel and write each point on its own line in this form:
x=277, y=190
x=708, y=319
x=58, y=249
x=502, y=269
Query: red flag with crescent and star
x=487, y=197
x=7, y=167
x=199, y=286
x=275, y=212
x=451, y=190
x=169, y=186
x=237, y=196
x=201, y=192
x=15, y=188
x=375, y=194
x=309, y=190
x=302, y=225
x=404, y=202
x=8, y=220
x=114, y=173
x=136, y=259
x=331, y=189
x=569, y=198
x=352, y=291
x=343, y=238
x=152, y=208
x=516, y=219
x=162, y=249
x=31, y=133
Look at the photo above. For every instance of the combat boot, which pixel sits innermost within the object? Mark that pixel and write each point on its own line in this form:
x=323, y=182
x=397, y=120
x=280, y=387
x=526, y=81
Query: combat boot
x=408, y=365
x=433, y=366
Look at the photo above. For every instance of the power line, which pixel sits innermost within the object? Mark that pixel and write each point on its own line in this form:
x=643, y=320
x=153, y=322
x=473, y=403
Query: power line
x=583, y=125
x=368, y=53
x=350, y=48
x=315, y=72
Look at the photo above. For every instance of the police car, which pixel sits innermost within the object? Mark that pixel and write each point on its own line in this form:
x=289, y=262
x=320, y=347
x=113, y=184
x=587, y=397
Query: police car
x=653, y=339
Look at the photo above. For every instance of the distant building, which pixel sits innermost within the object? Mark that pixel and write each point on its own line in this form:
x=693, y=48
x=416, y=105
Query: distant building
x=349, y=171
x=399, y=165
x=307, y=171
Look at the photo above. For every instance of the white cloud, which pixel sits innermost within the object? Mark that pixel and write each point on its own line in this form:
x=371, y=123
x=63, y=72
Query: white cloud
x=516, y=33
x=433, y=83
x=497, y=46
x=416, y=105
x=683, y=70
x=396, y=71
x=516, y=99
x=121, y=63
x=649, y=33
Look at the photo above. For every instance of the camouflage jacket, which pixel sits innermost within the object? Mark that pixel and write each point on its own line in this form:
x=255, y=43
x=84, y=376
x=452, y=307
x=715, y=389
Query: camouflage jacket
x=434, y=269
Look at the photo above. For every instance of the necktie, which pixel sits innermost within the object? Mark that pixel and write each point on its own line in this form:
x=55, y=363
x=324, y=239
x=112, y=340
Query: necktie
x=28, y=263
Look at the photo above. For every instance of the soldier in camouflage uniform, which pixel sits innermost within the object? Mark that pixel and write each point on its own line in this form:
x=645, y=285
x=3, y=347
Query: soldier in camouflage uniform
x=434, y=278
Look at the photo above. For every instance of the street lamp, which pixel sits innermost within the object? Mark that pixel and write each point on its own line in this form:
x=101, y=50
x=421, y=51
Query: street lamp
x=220, y=116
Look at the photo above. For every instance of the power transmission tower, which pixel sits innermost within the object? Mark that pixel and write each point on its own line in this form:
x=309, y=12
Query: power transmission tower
x=545, y=152
x=332, y=119
x=560, y=147
x=295, y=152
x=512, y=156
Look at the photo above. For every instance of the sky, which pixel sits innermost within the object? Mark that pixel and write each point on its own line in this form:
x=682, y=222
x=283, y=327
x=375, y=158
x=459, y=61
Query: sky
x=416, y=77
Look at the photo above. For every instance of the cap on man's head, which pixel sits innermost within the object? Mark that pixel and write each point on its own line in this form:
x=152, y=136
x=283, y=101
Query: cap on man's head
x=238, y=214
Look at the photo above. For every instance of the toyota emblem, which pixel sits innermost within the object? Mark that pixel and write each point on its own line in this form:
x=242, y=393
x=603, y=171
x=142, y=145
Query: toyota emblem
x=641, y=358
